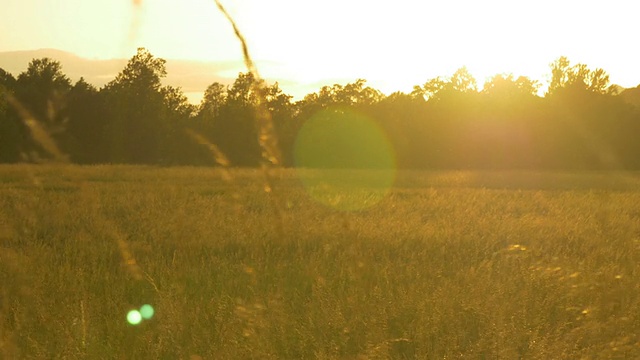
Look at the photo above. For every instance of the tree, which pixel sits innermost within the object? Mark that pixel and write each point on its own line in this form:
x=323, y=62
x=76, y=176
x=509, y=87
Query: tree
x=429, y=89
x=463, y=81
x=12, y=132
x=241, y=93
x=203, y=123
x=286, y=127
x=227, y=115
x=177, y=104
x=578, y=77
x=136, y=101
x=143, y=71
x=214, y=98
x=174, y=119
x=234, y=128
x=404, y=120
x=583, y=120
x=338, y=96
x=40, y=95
x=508, y=86
x=87, y=120
x=355, y=93
x=437, y=88
x=7, y=80
x=42, y=89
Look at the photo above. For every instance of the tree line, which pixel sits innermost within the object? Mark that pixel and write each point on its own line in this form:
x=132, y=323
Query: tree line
x=581, y=123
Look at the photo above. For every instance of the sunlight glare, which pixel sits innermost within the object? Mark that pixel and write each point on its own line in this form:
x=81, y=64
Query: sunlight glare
x=146, y=311
x=134, y=317
x=336, y=139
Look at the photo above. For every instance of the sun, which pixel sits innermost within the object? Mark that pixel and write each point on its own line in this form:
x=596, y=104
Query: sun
x=394, y=46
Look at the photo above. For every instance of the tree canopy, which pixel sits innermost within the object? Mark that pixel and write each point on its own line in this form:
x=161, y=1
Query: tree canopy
x=449, y=122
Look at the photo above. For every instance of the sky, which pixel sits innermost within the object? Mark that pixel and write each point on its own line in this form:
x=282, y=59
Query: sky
x=303, y=45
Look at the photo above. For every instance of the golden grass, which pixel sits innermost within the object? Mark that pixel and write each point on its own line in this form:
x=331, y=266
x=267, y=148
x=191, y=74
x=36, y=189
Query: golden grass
x=449, y=265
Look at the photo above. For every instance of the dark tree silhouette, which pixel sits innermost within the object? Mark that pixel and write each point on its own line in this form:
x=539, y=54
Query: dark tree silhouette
x=445, y=123
x=12, y=132
x=579, y=76
x=135, y=101
x=87, y=120
x=176, y=146
x=40, y=94
x=214, y=98
x=234, y=129
x=42, y=89
x=282, y=112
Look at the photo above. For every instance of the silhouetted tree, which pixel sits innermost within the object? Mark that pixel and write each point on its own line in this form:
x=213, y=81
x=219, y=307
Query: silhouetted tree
x=215, y=96
x=353, y=94
x=631, y=96
x=234, y=129
x=578, y=76
x=7, y=80
x=176, y=116
x=438, y=88
x=508, y=124
x=87, y=120
x=405, y=121
x=451, y=115
x=286, y=126
x=42, y=89
x=506, y=86
x=207, y=114
x=445, y=123
x=12, y=132
x=135, y=101
x=41, y=92
x=227, y=116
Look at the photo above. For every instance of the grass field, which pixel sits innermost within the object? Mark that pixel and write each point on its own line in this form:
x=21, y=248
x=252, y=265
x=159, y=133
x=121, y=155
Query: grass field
x=446, y=265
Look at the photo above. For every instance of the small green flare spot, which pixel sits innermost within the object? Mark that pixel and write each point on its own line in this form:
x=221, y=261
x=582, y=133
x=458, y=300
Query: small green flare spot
x=134, y=317
x=146, y=311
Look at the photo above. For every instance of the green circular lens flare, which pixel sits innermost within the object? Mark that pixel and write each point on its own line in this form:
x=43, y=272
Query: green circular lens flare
x=344, y=159
x=146, y=311
x=134, y=317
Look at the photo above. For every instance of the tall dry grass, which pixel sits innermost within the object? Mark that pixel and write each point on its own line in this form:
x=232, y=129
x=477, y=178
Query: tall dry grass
x=449, y=265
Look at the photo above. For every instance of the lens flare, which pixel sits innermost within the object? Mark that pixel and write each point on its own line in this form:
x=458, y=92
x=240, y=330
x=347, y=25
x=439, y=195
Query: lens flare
x=147, y=311
x=134, y=317
x=344, y=159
